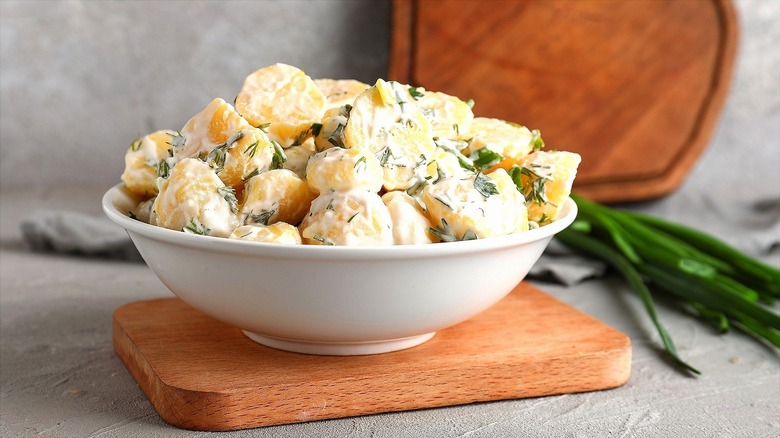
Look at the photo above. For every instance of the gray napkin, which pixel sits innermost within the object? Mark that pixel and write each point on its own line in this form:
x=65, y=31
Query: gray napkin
x=77, y=233
x=561, y=265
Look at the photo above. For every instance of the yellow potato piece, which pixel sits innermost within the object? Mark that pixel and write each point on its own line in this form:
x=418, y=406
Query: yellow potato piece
x=332, y=133
x=449, y=115
x=547, y=178
x=513, y=142
x=298, y=159
x=444, y=164
x=247, y=153
x=410, y=225
x=276, y=196
x=344, y=169
x=141, y=161
x=339, y=92
x=385, y=121
x=280, y=232
x=193, y=199
x=210, y=128
x=353, y=218
x=283, y=96
x=478, y=206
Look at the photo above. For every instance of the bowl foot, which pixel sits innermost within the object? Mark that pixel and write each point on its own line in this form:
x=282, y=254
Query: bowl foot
x=339, y=348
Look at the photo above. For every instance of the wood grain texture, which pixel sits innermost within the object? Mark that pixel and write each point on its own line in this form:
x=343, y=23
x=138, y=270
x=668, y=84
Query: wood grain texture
x=635, y=87
x=205, y=375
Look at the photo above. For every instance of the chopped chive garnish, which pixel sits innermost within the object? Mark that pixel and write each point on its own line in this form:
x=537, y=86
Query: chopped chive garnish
x=252, y=149
x=229, y=193
x=352, y=217
x=195, y=227
x=416, y=93
x=261, y=218
x=279, y=157
x=484, y=185
x=322, y=240
x=135, y=145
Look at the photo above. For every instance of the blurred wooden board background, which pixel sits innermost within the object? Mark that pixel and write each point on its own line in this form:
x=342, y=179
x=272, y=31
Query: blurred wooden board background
x=635, y=87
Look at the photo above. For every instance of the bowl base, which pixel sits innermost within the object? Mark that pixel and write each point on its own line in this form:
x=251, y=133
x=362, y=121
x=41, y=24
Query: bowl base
x=339, y=348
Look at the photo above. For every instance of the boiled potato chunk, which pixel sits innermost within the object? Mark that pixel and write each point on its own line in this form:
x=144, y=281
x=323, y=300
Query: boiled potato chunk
x=478, y=206
x=340, y=92
x=298, y=159
x=279, y=232
x=247, y=153
x=356, y=217
x=212, y=127
x=386, y=122
x=546, y=181
x=449, y=115
x=344, y=169
x=283, y=97
x=410, y=225
x=142, y=160
x=193, y=199
x=513, y=142
x=278, y=195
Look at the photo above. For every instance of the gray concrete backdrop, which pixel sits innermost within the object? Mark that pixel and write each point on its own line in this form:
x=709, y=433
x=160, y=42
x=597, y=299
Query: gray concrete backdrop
x=80, y=79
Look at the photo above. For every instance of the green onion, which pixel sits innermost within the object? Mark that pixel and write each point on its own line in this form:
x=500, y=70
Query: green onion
x=718, y=283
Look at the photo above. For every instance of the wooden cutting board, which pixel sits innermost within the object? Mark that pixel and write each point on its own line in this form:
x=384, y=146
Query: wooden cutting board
x=635, y=87
x=205, y=375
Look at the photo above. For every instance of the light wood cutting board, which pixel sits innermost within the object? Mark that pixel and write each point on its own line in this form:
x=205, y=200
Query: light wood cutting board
x=205, y=375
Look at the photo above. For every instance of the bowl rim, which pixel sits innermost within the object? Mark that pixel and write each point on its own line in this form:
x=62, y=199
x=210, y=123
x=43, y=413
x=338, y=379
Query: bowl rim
x=235, y=246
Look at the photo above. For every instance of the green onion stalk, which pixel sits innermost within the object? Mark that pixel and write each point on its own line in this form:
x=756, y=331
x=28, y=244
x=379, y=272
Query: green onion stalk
x=722, y=285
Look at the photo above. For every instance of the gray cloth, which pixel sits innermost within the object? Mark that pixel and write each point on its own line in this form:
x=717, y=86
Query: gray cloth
x=77, y=233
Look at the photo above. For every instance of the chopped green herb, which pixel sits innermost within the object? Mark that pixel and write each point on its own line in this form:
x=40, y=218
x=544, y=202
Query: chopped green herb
x=163, y=168
x=443, y=202
x=263, y=126
x=384, y=155
x=136, y=145
x=360, y=165
x=177, y=140
x=416, y=93
x=322, y=240
x=251, y=174
x=445, y=233
x=536, y=140
x=469, y=102
x=484, y=185
x=279, y=158
x=337, y=137
x=454, y=147
x=195, y=227
x=229, y=193
x=216, y=158
x=353, y=217
x=330, y=206
x=252, y=149
x=484, y=158
x=262, y=218
x=345, y=110
x=534, y=188
x=456, y=128
x=311, y=131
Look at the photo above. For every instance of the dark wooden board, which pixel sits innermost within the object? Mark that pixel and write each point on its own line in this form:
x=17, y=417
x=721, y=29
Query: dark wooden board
x=635, y=87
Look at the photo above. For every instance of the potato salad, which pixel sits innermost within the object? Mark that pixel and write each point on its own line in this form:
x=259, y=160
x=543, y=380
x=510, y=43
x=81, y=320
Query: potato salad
x=301, y=161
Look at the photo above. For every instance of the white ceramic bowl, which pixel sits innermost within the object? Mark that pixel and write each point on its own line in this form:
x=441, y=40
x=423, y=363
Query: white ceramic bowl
x=335, y=300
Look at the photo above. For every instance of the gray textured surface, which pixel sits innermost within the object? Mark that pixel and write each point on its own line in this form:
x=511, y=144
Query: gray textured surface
x=59, y=376
x=80, y=79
